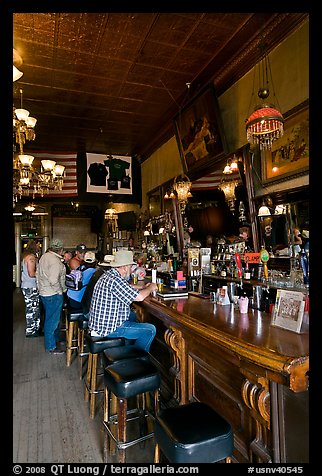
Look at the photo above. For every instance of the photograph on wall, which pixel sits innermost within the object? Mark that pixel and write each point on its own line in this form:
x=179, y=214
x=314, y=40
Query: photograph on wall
x=289, y=310
x=109, y=174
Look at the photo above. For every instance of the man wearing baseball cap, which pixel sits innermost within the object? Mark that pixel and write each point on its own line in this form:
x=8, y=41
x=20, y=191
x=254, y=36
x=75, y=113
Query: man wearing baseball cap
x=111, y=300
x=75, y=297
x=78, y=259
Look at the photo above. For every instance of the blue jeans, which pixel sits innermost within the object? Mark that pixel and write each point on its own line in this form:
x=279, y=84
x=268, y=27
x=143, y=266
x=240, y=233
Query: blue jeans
x=143, y=332
x=53, y=306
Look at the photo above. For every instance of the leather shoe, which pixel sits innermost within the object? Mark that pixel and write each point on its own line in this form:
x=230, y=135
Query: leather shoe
x=56, y=351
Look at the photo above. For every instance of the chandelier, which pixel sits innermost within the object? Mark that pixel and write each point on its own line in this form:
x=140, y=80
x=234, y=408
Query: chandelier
x=27, y=180
x=181, y=191
x=228, y=185
x=110, y=214
x=266, y=123
x=111, y=218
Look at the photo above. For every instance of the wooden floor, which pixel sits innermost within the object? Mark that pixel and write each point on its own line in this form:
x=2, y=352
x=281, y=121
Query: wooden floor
x=51, y=422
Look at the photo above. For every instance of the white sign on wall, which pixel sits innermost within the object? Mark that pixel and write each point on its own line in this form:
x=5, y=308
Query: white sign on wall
x=110, y=174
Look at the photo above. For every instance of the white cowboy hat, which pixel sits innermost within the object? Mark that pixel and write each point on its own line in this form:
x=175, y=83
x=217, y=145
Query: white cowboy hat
x=122, y=258
x=106, y=260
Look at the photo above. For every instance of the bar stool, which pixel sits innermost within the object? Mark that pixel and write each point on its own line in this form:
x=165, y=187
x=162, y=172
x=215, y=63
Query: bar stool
x=82, y=349
x=72, y=318
x=192, y=433
x=115, y=354
x=125, y=379
x=63, y=317
x=96, y=345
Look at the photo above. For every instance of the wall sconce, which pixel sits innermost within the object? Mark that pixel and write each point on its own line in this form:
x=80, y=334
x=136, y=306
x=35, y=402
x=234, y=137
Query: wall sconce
x=280, y=210
x=264, y=211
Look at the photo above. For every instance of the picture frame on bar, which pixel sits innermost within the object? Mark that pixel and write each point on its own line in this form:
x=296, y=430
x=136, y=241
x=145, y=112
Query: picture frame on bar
x=289, y=310
x=199, y=133
x=289, y=156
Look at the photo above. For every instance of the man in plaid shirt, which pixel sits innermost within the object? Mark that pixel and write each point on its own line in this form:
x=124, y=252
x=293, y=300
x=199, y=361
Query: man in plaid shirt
x=111, y=300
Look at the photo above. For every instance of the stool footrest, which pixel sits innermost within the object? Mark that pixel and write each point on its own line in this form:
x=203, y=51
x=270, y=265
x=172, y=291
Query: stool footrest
x=126, y=444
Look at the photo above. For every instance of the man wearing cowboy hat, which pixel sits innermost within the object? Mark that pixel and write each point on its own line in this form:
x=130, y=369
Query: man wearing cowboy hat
x=111, y=300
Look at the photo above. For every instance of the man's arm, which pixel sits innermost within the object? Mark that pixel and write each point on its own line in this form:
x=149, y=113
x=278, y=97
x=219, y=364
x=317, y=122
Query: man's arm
x=148, y=289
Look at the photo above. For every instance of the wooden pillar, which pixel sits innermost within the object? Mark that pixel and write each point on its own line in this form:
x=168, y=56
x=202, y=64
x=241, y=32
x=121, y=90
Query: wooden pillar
x=179, y=226
x=45, y=232
x=18, y=252
x=247, y=157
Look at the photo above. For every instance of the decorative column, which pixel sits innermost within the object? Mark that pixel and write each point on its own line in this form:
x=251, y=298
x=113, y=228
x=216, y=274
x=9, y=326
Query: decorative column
x=45, y=232
x=257, y=398
x=174, y=339
x=18, y=252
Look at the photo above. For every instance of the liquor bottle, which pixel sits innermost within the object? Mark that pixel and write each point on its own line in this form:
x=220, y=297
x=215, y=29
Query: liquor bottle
x=223, y=272
x=212, y=267
x=304, y=266
x=247, y=272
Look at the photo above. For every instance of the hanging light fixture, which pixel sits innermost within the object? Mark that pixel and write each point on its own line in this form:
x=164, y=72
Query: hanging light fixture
x=17, y=61
x=182, y=188
x=26, y=179
x=264, y=211
x=228, y=187
x=16, y=73
x=265, y=124
x=228, y=184
x=110, y=214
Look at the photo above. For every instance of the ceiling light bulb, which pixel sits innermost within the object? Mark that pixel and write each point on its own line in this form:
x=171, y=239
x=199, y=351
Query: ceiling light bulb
x=31, y=121
x=48, y=165
x=264, y=211
x=26, y=160
x=22, y=114
x=59, y=170
x=16, y=73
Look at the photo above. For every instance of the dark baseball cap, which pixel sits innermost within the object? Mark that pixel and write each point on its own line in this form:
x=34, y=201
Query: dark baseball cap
x=81, y=248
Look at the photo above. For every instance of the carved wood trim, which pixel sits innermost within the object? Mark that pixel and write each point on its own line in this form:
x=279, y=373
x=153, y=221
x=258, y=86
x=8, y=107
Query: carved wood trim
x=174, y=339
x=257, y=398
x=299, y=375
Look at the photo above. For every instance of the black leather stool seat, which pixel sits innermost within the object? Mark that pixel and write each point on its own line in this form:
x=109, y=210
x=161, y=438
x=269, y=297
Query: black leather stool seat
x=74, y=315
x=97, y=344
x=128, y=378
x=110, y=356
x=193, y=433
x=83, y=324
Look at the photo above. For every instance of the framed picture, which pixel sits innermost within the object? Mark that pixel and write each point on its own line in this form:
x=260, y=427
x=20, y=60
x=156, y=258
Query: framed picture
x=290, y=153
x=199, y=133
x=289, y=310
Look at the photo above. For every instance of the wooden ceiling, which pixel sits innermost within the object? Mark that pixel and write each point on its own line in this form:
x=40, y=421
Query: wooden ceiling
x=112, y=82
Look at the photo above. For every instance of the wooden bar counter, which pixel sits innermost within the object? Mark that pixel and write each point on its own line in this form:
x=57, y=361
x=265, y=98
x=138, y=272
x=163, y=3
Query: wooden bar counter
x=255, y=375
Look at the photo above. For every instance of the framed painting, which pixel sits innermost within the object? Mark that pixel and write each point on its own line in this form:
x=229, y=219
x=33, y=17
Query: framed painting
x=289, y=156
x=199, y=133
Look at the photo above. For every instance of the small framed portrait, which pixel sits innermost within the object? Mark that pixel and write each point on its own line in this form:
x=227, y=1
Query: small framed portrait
x=199, y=132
